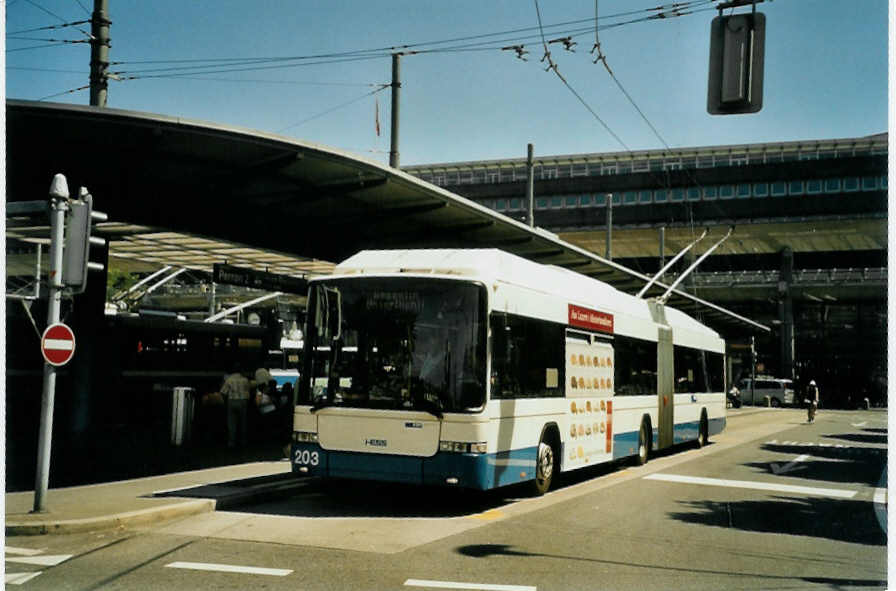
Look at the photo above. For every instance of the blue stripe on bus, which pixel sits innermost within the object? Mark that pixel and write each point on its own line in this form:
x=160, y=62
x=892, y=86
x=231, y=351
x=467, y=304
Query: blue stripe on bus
x=626, y=444
x=478, y=471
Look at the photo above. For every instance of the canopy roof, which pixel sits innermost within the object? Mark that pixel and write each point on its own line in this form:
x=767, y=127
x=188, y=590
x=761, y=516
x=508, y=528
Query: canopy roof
x=190, y=194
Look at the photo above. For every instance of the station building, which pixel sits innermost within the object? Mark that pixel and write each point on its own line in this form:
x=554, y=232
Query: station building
x=807, y=255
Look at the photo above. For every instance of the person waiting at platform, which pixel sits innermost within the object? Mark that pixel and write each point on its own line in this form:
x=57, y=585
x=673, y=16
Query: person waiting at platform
x=235, y=391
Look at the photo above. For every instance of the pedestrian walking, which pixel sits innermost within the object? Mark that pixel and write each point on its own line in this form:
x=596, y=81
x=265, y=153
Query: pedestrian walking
x=812, y=407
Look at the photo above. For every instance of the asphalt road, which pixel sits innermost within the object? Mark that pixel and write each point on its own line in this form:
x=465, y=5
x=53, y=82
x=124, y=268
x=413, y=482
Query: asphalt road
x=771, y=503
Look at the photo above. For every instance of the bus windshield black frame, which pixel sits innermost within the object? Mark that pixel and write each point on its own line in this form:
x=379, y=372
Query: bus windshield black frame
x=405, y=343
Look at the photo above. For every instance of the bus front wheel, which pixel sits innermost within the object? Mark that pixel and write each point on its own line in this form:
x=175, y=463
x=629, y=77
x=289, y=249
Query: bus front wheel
x=545, y=464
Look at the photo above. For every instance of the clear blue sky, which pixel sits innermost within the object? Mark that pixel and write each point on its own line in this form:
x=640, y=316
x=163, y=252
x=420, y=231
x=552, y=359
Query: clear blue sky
x=825, y=72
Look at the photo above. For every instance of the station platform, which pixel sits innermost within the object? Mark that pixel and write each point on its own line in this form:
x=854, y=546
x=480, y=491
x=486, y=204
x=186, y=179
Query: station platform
x=141, y=501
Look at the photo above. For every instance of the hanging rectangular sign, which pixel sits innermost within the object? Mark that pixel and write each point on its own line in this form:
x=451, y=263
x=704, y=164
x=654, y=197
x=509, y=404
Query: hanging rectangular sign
x=590, y=319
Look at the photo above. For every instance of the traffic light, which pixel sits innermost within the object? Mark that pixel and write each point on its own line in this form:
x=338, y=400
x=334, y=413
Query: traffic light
x=736, y=62
x=76, y=252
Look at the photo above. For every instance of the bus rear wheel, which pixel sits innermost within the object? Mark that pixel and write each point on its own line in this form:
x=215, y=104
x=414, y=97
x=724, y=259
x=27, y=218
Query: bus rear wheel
x=703, y=434
x=545, y=463
x=643, y=444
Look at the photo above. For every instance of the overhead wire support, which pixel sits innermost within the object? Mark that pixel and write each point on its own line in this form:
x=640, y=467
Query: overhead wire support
x=520, y=50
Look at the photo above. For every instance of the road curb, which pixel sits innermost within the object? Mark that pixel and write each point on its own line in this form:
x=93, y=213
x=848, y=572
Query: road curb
x=126, y=519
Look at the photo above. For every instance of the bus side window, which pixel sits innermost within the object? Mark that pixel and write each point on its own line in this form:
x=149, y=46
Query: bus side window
x=527, y=357
x=635, y=371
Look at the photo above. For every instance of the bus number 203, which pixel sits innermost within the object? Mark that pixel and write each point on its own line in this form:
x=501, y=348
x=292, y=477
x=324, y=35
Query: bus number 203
x=304, y=457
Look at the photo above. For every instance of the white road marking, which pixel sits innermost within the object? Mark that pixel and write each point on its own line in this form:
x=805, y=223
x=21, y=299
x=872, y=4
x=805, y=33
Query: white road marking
x=476, y=586
x=230, y=568
x=19, y=578
x=51, y=560
x=807, y=490
x=862, y=424
x=880, y=507
x=22, y=551
x=790, y=466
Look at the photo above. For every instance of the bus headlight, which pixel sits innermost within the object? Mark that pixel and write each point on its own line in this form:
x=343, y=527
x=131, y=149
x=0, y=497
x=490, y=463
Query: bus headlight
x=463, y=447
x=304, y=437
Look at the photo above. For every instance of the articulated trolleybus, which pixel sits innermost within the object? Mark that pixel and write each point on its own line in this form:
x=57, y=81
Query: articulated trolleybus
x=479, y=369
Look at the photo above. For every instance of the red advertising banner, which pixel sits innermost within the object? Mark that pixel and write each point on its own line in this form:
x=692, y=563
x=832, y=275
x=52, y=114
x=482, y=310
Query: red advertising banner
x=590, y=319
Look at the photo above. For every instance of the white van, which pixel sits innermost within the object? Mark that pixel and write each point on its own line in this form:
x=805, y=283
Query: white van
x=779, y=391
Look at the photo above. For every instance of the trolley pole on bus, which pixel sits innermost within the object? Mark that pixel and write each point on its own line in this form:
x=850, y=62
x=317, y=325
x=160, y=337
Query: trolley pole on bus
x=58, y=205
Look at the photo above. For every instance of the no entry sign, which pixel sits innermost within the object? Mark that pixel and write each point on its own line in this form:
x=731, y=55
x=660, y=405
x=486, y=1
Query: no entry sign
x=57, y=344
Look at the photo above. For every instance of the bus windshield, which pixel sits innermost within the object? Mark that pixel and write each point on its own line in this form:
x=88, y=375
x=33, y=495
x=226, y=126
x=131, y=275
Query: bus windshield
x=396, y=343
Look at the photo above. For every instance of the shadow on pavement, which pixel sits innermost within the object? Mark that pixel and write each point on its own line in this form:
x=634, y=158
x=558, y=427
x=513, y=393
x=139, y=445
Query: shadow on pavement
x=862, y=465
x=844, y=521
x=354, y=498
x=875, y=438
x=492, y=550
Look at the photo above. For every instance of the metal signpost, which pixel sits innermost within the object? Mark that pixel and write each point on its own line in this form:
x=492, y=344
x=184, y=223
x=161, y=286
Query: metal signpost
x=58, y=204
x=67, y=270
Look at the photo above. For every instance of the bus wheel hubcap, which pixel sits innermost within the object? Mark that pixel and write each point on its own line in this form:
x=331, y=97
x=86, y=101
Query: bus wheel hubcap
x=546, y=461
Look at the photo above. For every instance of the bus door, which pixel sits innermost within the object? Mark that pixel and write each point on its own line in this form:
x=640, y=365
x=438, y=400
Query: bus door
x=665, y=388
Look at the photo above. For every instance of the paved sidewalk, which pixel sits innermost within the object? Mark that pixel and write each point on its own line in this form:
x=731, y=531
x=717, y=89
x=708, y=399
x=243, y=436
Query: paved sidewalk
x=131, y=502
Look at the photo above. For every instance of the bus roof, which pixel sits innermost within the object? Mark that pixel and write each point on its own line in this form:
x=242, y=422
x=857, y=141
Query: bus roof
x=491, y=266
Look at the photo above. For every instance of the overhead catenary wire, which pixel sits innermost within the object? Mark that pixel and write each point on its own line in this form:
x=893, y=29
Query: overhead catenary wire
x=337, y=107
x=71, y=91
x=53, y=14
x=409, y=48
x=49, y=27
x=552, y=66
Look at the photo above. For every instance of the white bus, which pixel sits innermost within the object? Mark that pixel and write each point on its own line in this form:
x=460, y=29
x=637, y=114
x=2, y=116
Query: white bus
x=480, y=369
